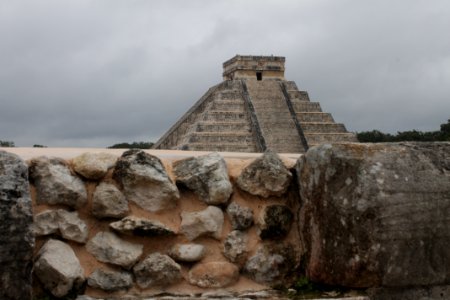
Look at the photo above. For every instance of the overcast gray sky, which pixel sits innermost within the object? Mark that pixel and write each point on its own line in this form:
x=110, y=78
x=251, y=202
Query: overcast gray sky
x=94, y=73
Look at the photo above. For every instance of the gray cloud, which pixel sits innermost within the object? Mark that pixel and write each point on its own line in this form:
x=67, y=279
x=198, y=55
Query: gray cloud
x=94, y=73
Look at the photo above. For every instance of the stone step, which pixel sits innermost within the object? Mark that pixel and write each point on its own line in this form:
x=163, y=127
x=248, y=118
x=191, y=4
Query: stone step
x=321, y=138
x=319, y=127
x=221, y=137
x=224, y=105
x=290, y=85
x=222, y=126
x=221, y=147
x=314, y=117
x=298, y=95
x=224, y=116
x=306, y=106
x=269, y=104
x=229, y=95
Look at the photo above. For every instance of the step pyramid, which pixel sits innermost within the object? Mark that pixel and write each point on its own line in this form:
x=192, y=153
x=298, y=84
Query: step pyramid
x=252, y=110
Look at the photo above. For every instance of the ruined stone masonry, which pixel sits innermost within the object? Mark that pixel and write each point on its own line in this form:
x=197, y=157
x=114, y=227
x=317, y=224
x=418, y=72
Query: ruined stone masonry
x=252, y=110
x=370, y=220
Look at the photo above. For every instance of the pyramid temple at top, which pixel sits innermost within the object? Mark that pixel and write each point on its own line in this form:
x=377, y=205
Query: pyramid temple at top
x=252, y=110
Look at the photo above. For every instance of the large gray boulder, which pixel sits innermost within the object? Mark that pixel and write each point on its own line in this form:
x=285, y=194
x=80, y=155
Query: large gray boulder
x=157, y=269
x=109, y=202
x=266, y=176
x=208, y=222
x=16, y=235
x=133, y=225
x=109, y=280
x=145, y=181
x=58, y=268
x=207, y=176
x=108, y=247
x=55, y=184
x=67, y=224
x=93, y=166
x=376, y=214
x=215, y=274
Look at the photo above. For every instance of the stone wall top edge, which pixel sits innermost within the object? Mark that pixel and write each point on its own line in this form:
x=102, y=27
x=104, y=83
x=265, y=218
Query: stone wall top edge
x=69, y=153
x=254, y=57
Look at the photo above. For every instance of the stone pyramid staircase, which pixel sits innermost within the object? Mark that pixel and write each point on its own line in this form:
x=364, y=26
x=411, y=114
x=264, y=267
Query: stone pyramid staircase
x=275, y=120
x=318, y=127
x=250, y=115
x=223, y=125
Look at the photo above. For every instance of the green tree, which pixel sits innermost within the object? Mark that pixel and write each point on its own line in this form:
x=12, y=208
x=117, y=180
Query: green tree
x=134, y=145
x=376, y=136
x=6, y=143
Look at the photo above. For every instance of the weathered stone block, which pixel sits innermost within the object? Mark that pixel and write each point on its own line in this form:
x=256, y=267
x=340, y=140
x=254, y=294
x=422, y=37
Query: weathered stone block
x=16, y=235
x=55, y=184
x=109, y=202
x=108, y=247
x=145, y=181
x=376, y=214
x=142, y=227
x=207, y=176
x=93, y=166
x=214, y=274
x=275, y=221
x=187, y=252
x=109, y=280
x=58, y=268
x=235, y=247
x=207, y=222
x=157, y=269
x=266, y=176
x=273, y=264
x=241, y=217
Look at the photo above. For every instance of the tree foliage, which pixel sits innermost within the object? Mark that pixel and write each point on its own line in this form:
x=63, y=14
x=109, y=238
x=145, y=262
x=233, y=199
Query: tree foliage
x=376, y=136
x=134, y=145
x=7, y=144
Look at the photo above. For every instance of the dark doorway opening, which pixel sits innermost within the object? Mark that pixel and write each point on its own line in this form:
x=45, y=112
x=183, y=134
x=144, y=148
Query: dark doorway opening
x=258, y=75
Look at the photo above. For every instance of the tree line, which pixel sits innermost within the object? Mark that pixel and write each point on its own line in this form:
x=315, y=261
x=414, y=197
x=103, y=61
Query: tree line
x=376, y=136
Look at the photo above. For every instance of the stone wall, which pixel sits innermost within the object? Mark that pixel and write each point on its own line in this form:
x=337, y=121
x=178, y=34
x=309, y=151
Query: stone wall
x=370, y=217
x=109, y=226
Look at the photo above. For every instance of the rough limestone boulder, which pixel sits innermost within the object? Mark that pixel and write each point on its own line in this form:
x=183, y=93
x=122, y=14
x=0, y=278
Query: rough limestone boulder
x=275, y=221
x=208, y=222
x=241, y=217
x=108, y=247
x=266, y=176
x=109, y=202
x=145, y=181
x=66, y=224
x=109, y=280
x=235, y=247
x=93, y=166
x=142, y=227
x=216, y=274
x=58, y=268
x=187, y=252
x=376, y=214
x=207, y=176
x=16, y=235
x=273, y=264
x=55, y=184
x=157, y=269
